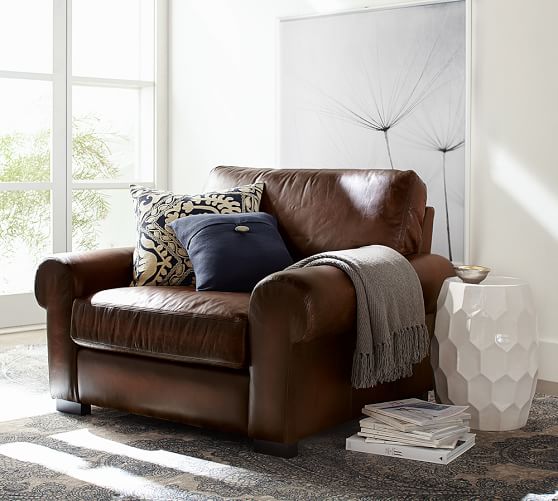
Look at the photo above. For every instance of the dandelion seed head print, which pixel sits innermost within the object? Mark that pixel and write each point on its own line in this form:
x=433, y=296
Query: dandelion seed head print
x=381, y=89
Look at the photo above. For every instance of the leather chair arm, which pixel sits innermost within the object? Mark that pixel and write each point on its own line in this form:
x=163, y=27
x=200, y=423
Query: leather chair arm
x=82, y=273
x=324, y=297
x=315, y=301
x=59, y=280
x=432, y=270
x=302, y=325
x=301, y=339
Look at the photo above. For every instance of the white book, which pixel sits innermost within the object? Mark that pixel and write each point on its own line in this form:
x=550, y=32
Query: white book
x=379, y=441
x=415, y=411
x=391, y=442
x=413, y=435
x=366, y=426
x=394, y=423
x=394, y=441
x=442, y=432
x=446, y=443
x=380, y=422
x=439, y=456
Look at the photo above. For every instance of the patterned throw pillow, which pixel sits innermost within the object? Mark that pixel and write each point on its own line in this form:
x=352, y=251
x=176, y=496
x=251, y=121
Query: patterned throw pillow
x=159, y=258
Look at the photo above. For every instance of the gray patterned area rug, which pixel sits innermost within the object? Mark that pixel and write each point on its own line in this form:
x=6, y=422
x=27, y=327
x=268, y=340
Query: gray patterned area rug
x=113, y=455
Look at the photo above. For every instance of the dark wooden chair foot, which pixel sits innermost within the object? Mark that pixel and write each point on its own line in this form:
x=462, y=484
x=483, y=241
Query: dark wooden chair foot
x=276, y=448
x=72, y=407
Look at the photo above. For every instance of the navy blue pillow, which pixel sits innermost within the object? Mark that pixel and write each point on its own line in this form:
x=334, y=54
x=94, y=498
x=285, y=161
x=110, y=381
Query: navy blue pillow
x=232, y=252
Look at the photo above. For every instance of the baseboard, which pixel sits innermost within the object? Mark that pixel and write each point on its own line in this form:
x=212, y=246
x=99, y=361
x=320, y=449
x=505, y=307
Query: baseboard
x=20, y=310
x=548, y=354
x=23, y=328
x=547, y=387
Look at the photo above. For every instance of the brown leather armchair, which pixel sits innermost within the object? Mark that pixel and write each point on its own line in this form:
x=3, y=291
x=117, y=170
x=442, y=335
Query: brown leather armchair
x=274, y=364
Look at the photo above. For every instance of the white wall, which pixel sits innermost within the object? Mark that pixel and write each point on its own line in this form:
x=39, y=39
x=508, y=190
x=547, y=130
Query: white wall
x=223, y=82
x=222, y=111
x=514, y=178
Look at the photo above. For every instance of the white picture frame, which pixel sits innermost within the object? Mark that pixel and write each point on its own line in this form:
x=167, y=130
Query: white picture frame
x=283, y=160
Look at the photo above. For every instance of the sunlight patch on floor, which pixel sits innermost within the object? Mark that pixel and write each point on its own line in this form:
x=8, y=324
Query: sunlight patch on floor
x=22, y=395
x=115, y=479
x=187, y=464
x=18, y=404
x=541, y=497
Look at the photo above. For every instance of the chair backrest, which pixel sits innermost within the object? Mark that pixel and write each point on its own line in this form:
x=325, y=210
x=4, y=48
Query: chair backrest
x=332, y=209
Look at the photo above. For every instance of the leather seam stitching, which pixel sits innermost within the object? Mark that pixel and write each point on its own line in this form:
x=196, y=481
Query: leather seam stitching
x=403, y=227
x=168, y=312
x=92, y=344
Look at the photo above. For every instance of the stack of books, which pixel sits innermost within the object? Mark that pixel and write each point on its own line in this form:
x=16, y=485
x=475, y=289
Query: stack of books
x=414, y=429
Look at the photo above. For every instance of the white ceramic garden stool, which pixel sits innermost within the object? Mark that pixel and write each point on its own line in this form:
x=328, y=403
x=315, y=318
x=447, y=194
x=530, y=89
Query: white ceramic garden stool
x=485, y=350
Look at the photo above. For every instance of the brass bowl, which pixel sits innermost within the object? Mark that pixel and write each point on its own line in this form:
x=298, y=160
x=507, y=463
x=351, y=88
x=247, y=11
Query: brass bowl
x=471, y=273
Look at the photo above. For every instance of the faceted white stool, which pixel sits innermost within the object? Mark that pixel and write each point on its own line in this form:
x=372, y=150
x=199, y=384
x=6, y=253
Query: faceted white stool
x=485, y=350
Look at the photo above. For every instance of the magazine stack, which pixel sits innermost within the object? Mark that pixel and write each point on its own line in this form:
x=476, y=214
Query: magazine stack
x=414, y=429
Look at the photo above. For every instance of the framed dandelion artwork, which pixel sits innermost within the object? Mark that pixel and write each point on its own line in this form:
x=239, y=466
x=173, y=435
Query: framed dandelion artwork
x=381, y=89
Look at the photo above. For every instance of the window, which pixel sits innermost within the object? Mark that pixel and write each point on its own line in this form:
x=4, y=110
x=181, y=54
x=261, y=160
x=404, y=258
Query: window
x=82, y=115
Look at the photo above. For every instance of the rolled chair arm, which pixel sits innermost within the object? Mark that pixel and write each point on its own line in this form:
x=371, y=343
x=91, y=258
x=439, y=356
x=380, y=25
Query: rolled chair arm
x=302, y=332
x=432, y=270
x=301, y=325
x=82, y=273
x=59, y=280
x=317, y=301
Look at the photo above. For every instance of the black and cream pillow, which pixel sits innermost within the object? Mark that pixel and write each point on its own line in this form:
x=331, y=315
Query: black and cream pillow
x=159, y=258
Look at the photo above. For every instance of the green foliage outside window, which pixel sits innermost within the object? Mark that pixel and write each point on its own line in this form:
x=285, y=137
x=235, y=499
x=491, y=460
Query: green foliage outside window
x=25, y=215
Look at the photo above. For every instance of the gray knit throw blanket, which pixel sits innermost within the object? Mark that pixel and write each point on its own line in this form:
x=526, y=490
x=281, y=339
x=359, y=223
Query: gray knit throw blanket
x=391, y=329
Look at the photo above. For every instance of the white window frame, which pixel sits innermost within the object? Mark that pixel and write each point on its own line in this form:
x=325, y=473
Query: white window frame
x=22, y=309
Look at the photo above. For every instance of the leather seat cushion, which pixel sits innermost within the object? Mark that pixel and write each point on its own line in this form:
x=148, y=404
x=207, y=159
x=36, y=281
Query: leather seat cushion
x=174, y=323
